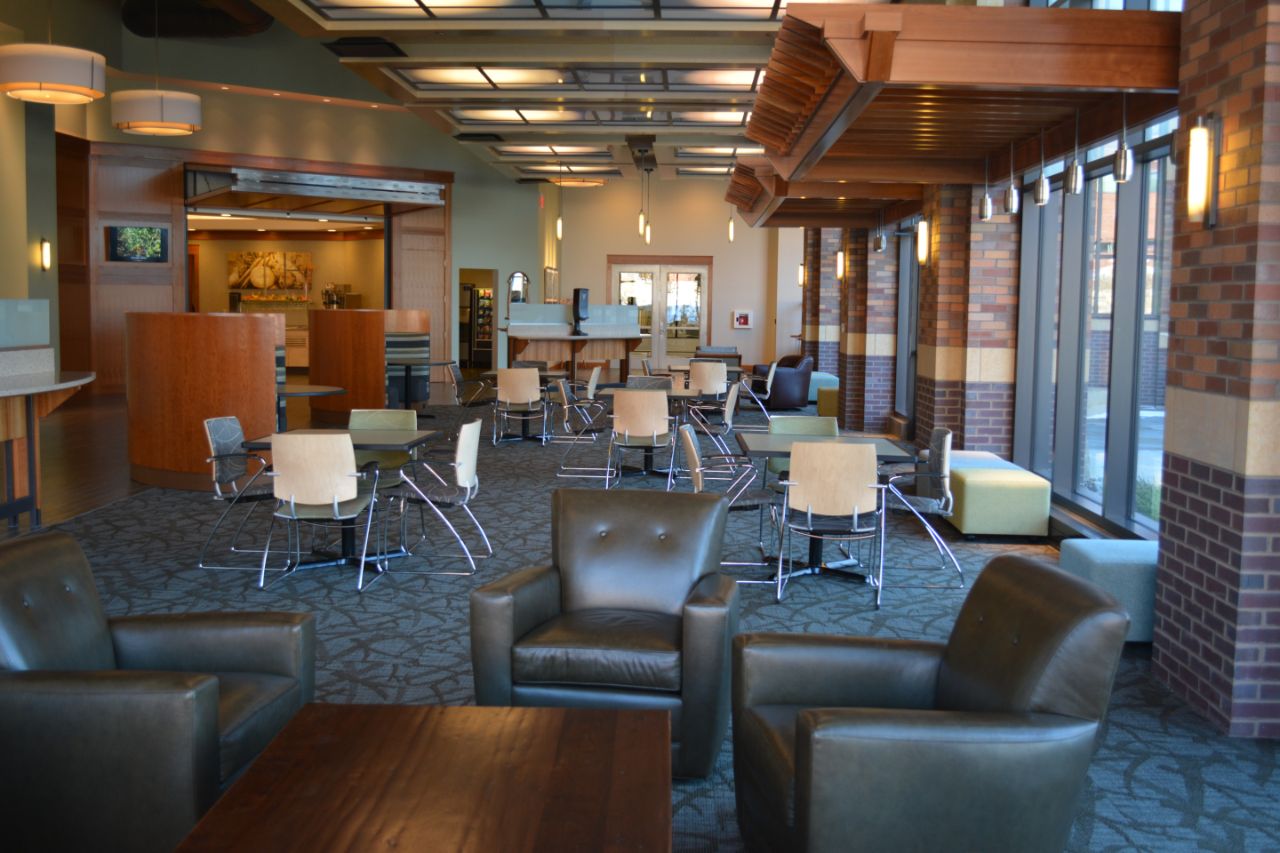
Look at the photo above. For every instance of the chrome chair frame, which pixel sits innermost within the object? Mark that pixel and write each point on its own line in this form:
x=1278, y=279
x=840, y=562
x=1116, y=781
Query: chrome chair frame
x=502, y=411
x=460, y=497
x=237, y=496
x=747, y=381
x=457, y=383
x=614, y=473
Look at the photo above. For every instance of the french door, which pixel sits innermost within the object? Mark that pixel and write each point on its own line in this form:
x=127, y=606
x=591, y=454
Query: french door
x=671, y=300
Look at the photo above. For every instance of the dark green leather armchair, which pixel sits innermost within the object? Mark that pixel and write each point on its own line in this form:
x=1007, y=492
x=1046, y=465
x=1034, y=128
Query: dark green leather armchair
x=632, y=613
x=117, y=734
x=850, y=743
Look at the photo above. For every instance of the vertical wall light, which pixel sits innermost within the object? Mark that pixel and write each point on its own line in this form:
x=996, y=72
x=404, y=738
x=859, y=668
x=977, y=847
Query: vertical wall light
x=1122, y=167
x=985, y=207
x=1041, y=193
x=840, y=265
x=1073, y=182
x=1012, y=198
x=640, y=219
x=46, y=254
x=560, y=206
x=648, y=207
x=922, y=241
x=730, y=223
x=1202, y=171
x=800, y=275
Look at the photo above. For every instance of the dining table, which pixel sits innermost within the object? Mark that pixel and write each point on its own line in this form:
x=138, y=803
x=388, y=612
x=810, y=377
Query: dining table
x=285, y=390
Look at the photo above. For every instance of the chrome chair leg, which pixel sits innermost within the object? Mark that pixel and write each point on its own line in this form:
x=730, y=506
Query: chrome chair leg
x=483, y=536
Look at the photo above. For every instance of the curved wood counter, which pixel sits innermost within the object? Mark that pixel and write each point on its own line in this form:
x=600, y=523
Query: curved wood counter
x=348, y=349
x=183, y=368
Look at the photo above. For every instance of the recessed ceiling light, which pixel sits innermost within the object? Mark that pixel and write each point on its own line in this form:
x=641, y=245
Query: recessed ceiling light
x=328, y=100
x=324, y=220
x=373, y=106
x=368, y=228
x=332, y=230
x=225, y=215
x=262, y=229
x=275, y=94
x=225, y=88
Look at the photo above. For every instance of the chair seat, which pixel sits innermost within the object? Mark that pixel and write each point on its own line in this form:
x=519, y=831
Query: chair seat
x=324, y=512
x=771, y=732
x=660, y=440
x=443, y=494
x=604, y=648
x=520, y=407
x=755, y=498
x=252, y=709
x=832, y=525
x=924, y=505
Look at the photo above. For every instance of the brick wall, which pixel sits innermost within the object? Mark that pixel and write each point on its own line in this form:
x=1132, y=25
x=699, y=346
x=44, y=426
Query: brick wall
x=821, y=302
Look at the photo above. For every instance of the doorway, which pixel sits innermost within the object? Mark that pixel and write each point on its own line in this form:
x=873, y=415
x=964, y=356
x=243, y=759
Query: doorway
x=475, y=317
x=673, y=301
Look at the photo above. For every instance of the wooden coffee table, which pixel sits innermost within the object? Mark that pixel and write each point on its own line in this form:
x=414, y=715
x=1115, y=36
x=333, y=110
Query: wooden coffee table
x=366, y=777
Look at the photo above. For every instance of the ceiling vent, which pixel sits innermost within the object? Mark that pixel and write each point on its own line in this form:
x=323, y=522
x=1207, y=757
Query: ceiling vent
x=478, y=137
x=194, y=18
x=365, y=47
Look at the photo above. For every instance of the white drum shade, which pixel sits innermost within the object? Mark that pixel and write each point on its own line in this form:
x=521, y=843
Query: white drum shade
x=156, y=112
x=52, y=74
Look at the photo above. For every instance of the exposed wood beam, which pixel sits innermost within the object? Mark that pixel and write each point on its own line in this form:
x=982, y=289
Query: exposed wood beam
x=898, y=169
x=844, y=103
x=846, y=189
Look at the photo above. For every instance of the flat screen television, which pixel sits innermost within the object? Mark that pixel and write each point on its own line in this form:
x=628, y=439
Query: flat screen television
x=143, y=244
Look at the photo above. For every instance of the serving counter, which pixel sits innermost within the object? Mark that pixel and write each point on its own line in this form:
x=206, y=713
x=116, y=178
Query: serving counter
x=543, y=333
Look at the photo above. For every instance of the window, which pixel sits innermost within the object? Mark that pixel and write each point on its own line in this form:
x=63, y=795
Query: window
x=904, y=390
x=1095, y=335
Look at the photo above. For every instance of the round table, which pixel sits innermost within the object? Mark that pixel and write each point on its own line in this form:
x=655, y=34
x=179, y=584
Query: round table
x=299, y=389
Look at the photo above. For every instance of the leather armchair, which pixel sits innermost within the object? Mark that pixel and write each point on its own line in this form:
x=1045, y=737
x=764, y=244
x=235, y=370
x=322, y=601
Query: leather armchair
x=117, y=734
x=979, y=744
x=790, y=382
x=632, y=613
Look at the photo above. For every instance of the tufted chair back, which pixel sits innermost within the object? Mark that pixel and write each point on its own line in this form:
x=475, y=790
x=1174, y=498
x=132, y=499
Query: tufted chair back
x=1032, y=638
x=50, y=615
x=634, y=550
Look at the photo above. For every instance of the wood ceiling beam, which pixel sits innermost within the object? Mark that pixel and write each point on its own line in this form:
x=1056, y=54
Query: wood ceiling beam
x=898, y=169
x=846, y=100
x=879, y=191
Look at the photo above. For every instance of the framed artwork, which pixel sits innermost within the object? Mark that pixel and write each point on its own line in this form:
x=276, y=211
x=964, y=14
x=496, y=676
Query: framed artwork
x=269, y=270
x=743, y=320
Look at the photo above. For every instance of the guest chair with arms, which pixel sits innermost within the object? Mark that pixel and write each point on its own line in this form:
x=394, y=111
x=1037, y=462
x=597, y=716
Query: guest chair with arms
x=632, y=613
x=237, y=480
x=739, y=475
x=708, y=378
x=701, y=412
x=469, y=392
x=117, y=734
x=519, y=398
x=583, y=418
x=981, y=743
x=928, y=492
x=798, y=425
x=389, y=462
x=439, y=493
x=759, y=385
x=790, y=386
x=640, y=422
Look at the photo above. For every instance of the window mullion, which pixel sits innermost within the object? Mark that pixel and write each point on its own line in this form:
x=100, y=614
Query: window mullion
x=1070, y=339
x=1126, y=315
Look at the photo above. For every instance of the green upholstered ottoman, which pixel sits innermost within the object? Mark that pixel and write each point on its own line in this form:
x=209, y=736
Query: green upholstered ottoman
x=828, y=402
x=996, y=497
x=1126, y=569
x=817, y=380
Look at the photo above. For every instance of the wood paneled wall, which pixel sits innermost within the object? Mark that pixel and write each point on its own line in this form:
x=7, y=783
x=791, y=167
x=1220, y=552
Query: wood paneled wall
x=421, y=276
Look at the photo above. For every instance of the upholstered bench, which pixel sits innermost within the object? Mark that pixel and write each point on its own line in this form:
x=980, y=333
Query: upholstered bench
x=995, y=497
x=818, y=380
x=828, y=402
x=1123, y=567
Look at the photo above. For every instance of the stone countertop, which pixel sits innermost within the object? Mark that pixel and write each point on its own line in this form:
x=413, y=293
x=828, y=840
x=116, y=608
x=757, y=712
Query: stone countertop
x=20, y=385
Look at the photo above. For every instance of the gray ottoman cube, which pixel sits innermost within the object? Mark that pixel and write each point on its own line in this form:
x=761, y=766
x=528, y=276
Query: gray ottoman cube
x=1125, y=568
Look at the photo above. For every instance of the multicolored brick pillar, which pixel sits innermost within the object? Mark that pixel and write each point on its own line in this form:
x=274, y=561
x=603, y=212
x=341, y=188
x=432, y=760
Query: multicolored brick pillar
x=941, y=356
x=868, y=334
x=991, y=336
x=820, y=335
x=1217, y=628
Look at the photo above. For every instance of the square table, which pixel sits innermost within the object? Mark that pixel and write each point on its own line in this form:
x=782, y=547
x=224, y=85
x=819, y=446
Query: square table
x=381, y=777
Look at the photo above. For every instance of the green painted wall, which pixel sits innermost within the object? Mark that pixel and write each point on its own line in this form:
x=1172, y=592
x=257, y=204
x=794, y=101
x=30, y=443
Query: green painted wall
x=15, y=258
x=42, y=208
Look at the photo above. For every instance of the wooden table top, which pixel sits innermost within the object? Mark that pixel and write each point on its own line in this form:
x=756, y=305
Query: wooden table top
x=415, y=777
x=302, y=389
x=770, y=445
x=361, y=439
x=542, y=374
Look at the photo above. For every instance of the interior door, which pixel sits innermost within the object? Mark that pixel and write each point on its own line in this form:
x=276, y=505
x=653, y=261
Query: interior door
x=672, y=300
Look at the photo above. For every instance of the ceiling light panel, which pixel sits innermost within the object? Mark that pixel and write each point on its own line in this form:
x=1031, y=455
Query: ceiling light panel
x=732, y=79
x=597, y=79
x=552, y=116
x=718, y=151
x=725, y=117
x=514, y=78
x=472, y=116
x=703, y=171
x=516, y=151
x=707, y=10
x=447, y=77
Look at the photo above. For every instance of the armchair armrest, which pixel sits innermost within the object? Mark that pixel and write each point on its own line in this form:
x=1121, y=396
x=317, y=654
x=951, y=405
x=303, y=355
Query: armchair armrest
x=1004, y=781
x=269, y=643
x=820, y=670
x=710, y=619
x=106, y=759
x=501, y=613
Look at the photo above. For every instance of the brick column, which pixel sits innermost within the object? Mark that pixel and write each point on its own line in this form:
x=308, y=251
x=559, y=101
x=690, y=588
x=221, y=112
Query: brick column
x=1217, y=629
x=992, y=331
x=821, y=306
x=941, y=355
x=868, y=336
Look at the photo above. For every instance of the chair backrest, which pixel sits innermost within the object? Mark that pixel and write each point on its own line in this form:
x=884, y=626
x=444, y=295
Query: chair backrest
x=313, y=467
x=938, y=485
x=536, y=365
x=50, y=615
x=800, y=425
x=633, y=549
x=640, y=412
x=519, y=385
x=593, y=382
x=708, y=377
x=382, y=419
x=768, y=379
x=456, y=382
x=692, y=455
x=662, y=383
x=730, y=407
x=464, y=457
x=796, y=361
x=647, y=366
x=832, y=478
x=225, y=437
x=561, y=395
x=1032, y=638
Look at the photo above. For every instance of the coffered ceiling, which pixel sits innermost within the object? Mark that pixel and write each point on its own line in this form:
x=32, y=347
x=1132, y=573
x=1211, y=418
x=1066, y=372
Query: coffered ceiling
x=549, y=89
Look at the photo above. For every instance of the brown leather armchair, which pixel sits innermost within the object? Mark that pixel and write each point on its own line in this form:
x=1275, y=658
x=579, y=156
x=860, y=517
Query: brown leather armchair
x=979, y=744
x=632, y=613
x=117, y=734
x=790, y=382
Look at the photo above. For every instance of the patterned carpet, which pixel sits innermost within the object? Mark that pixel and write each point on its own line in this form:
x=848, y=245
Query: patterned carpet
x=1162, y=779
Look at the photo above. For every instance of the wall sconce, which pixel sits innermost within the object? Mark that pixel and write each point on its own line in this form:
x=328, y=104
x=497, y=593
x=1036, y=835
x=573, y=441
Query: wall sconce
x=800, y=276
x=840, y=265
x=1202, y=171
x=922, y=241
x=731, y=226
x=46, y=255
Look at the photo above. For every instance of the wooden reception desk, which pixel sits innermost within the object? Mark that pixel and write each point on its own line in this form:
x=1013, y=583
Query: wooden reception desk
x=183, y=368
x=349, y=350
x=568, y=351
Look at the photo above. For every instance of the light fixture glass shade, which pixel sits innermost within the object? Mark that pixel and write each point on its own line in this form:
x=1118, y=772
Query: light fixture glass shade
x=1041, y=191
x=559, y=227
x=730, y=227
x=1012, y=200
x=1122, y=166
x=800, y=276
x=46, y=255
x=1198, y=173
x=879, y=242
x=922, y=241
x=840, y=265
x=640, y=224
x=648, y=233
x=156, y=112
x=1073, y=180
x=985, y=208
x=52, y=74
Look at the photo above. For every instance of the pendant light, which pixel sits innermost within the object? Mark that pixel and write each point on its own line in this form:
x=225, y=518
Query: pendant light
x=51, y=73
x=1012, y=198
x=1074, y=180
x=648, y=206
x=1041, y=193
x=879, y=242
x=730, y=223
x=156, y=112
x=985, y=206
x=560, y=210
x=640, y=219
x=1122, y=167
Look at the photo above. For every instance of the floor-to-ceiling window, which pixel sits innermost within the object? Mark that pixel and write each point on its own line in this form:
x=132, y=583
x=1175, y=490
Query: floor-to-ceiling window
x=1093, y=333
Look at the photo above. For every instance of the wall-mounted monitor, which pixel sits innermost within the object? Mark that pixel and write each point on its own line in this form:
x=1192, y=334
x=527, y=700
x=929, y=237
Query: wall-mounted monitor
x=145, y=244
